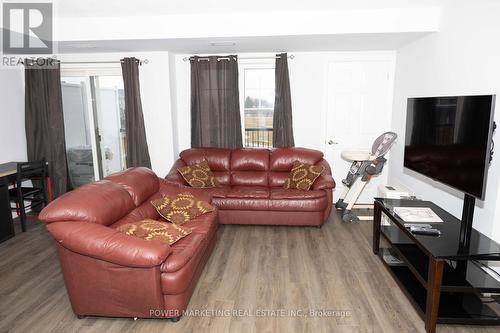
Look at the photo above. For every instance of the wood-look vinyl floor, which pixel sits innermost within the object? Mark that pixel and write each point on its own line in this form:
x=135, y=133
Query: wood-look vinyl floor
x=253, y=268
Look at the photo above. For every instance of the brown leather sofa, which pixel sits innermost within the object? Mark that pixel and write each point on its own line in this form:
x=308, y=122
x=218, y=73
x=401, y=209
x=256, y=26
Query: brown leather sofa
x=251, y=190
x=108, y=273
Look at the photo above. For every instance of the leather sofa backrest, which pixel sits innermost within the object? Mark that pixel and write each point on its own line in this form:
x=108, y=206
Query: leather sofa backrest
x=102, y=202
x=281, y=161
x=140, y=183
x=251, y=166
x=218, y=159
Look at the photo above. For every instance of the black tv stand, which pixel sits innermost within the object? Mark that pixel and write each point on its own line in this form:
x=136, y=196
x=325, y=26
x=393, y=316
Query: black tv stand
x=467, y=219
x=439, y=275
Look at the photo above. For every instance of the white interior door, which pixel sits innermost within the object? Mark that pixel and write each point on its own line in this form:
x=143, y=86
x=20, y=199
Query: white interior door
x=359, y=110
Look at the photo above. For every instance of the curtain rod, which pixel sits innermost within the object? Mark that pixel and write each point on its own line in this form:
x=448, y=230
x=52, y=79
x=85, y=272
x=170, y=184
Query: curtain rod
x=141, y=62
x=291, y=56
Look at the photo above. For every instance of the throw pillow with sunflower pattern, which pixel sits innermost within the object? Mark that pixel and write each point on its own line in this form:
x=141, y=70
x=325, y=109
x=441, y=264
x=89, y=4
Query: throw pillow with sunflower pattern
x=155, y=230
x=181, y=208
x=302, y=176
x=199, y=175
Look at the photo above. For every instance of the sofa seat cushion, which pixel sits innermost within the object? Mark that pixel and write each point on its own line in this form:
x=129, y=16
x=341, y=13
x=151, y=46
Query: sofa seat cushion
x=241, y=203
x=204, y=228
x=299, y=205
x=280, y=200
x=193, y=257
x=215, y=192
x=185, y=250
x=280, y=193
x=257, y=192
x=204, y=224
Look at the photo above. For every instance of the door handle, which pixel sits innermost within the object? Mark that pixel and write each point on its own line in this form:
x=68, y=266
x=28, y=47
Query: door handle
x=331, y=142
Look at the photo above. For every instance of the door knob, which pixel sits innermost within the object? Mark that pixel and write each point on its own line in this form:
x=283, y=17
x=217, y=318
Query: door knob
x=331, y=142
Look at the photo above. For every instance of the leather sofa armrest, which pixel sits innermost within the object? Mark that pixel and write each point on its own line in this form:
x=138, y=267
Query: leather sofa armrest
x=174, y=176
x=324, y=182
x=107, y=244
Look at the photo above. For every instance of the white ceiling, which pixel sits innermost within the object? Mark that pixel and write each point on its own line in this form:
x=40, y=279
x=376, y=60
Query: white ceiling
x=113, y=8
x=184, y=26
x=346, y=42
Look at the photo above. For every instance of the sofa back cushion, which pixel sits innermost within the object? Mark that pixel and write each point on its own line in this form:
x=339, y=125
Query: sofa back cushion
x=249, y=167
x=281, y=161
x=140, y=183
x=102, y=202
x=218, y=160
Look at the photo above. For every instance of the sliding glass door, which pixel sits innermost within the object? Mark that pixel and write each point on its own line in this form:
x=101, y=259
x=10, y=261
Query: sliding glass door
x=94, y=120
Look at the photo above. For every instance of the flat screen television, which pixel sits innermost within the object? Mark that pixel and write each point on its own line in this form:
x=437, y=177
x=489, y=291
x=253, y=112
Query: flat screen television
x=449, y=139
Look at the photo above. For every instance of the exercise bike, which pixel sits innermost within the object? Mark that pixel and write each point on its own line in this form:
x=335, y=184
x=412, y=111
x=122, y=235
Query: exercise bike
x=365, y=165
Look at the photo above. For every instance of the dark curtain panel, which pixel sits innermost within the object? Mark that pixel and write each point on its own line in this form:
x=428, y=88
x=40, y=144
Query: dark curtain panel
x=282, y=118
x=215, y=104
x=137, y=146
x=44, y=121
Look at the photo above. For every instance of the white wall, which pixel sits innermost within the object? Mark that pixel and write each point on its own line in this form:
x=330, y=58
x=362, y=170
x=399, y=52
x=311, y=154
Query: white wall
x=308, y=85
x=462, y=58
x=12, y=129
x=156, y=103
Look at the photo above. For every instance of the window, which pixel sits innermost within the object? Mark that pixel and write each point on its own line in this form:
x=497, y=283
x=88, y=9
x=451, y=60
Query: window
x=94, y=121
x=258, y=104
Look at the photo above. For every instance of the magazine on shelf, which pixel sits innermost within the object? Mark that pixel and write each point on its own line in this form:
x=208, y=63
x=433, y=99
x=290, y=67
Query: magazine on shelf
x=417, y=214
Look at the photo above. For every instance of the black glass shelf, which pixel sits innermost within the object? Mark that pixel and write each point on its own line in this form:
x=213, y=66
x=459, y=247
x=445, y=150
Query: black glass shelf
x=458, y=276
x=446, y=246
x=454, y=308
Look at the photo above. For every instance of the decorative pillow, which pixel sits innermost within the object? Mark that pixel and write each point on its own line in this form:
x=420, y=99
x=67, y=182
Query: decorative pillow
x=302, y=176
x=199, y=175
x=155, y=230
x=181, y=208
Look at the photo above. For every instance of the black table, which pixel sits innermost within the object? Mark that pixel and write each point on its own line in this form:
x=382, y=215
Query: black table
x=439, y=276
x=8, y=173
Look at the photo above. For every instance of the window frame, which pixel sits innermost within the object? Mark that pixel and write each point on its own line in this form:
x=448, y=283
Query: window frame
x=244, y=65
x=87, y=72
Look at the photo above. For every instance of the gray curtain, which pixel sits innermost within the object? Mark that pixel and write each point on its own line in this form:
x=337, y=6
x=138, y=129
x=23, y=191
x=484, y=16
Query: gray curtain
x=215, y=105
x=282, y=118
x=44, y=121
x=137, y=146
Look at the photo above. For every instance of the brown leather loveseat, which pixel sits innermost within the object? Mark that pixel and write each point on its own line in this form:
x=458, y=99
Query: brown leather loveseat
x=108, y=273
x=251, y=190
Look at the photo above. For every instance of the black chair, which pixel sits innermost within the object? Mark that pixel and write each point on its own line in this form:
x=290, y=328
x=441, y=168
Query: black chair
x=36, y=194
